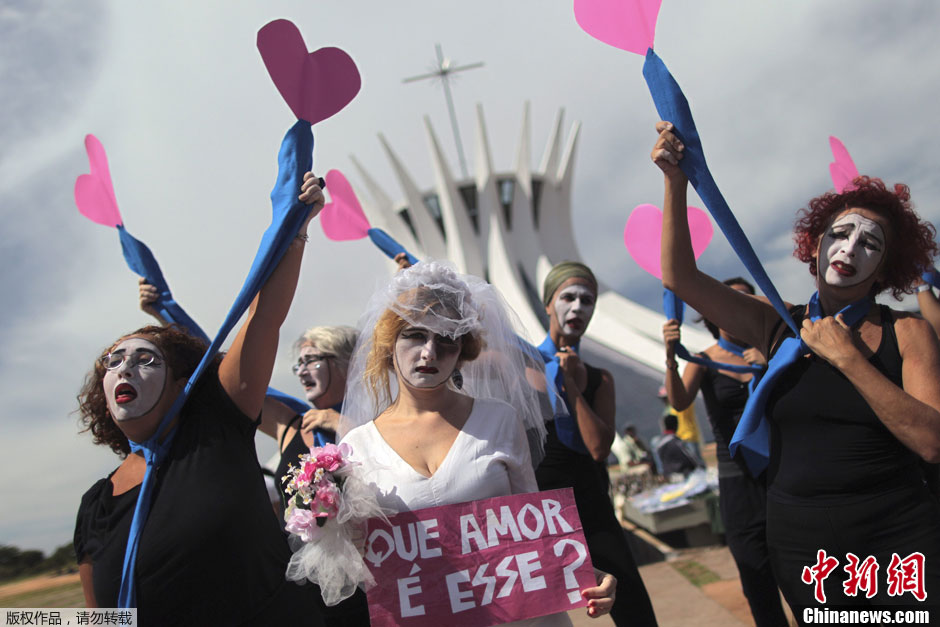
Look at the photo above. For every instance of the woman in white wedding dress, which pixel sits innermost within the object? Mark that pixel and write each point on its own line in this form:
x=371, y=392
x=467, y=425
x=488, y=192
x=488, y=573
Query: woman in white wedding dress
x=440, y=395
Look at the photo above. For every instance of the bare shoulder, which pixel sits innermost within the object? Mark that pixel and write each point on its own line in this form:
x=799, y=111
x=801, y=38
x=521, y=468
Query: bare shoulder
x=913, y=332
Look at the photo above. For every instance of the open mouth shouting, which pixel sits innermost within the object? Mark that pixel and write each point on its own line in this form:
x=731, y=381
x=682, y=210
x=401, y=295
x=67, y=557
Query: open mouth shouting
x=124, y=393
x=135, y=379
x=314, y=374
x=575, y=324
x=573, y=306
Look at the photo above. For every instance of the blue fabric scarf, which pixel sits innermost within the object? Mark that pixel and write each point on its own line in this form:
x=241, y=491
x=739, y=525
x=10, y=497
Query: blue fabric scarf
x=389, y=245
x=674, y=309
x=752, y=435
x=566, y=424
x=733, y=348
x=294, y=159
x=931, y=277
x=142, y=261
x=671, y=105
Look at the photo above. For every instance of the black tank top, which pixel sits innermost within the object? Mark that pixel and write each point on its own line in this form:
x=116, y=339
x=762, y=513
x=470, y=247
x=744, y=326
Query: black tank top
x=826, y=441
x=555, y=451
x=211, y=552
x=725, y=398
x=351, y=612
x=289, y=455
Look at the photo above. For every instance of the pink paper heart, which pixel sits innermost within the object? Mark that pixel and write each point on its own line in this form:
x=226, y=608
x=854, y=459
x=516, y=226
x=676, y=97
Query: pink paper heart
x=643, y=233
x=626, y=24
x=94, y=194
x=342, y=218
x=315, y=85
x=842, y=170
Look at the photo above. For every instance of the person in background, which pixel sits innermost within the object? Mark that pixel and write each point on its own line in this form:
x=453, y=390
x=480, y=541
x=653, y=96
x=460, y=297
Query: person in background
x=688, y=432
x=674, y=458
x=630, y=450
x=742, y=497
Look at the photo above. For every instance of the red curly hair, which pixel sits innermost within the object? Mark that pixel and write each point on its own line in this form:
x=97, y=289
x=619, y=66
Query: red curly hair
x=902, y=264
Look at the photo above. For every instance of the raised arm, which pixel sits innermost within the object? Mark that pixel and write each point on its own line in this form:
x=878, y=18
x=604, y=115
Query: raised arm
x=680, y=391
x=744, y=317
x=245, y=370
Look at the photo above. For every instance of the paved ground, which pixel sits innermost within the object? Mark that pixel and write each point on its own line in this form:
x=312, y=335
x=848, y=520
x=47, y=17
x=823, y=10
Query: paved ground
x=679, y=602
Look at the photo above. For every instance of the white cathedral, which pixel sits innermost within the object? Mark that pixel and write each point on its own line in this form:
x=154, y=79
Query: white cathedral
x=511, y=228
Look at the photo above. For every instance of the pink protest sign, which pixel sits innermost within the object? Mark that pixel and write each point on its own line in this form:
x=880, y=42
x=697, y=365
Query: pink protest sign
x=479, y=563
x=643, y=233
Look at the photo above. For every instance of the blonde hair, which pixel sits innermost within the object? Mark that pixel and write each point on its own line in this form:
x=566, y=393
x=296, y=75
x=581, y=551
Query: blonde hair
x=338, y=341
x=380, y=359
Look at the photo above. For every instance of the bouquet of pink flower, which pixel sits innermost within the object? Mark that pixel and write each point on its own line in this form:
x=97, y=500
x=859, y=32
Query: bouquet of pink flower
x=315, y=489
x=326, y=511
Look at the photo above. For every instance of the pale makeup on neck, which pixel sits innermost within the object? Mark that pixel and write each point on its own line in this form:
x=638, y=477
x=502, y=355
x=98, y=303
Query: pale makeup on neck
x=315, y=376
x=574, y=306
x=850, y=251
x=425, y=359
x=133, y=389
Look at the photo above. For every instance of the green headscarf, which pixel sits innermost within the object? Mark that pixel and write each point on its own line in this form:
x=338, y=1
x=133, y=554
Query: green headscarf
x=561, y=273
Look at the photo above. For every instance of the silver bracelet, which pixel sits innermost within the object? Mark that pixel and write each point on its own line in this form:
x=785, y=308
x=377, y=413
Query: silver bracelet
x=303, y=237
x=923, y=287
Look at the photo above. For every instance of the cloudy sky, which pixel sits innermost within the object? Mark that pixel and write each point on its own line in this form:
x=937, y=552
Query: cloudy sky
x=178, y=95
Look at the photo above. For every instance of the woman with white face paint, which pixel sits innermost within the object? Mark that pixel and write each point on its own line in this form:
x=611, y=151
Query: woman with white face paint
x=580, y=436
x=849, y=419
x=211, y=552
x=438, y=400
x=323, y=355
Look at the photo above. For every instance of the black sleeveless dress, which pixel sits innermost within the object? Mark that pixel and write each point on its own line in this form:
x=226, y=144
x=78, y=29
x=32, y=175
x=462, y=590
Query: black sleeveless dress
x=565, y=468
x=211, y=551
x=841, y=482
